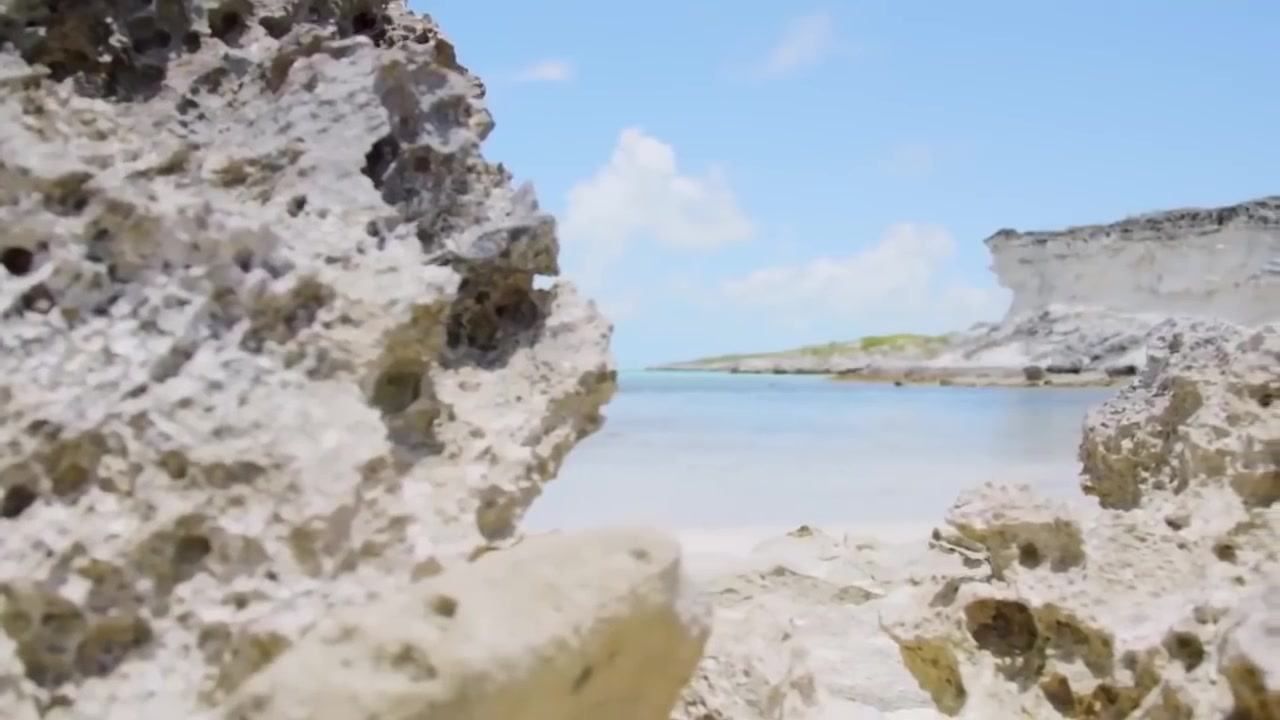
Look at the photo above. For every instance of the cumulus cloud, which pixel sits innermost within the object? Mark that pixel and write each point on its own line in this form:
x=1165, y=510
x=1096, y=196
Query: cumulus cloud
x=900, y=283
x=550, y=70
x=642, y=194
x=806, y=41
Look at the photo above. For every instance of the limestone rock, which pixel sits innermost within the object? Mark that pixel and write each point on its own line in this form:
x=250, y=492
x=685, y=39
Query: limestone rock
x=270, y=342
x=796, y=633
x=591, y=625
x=1083, y=299
x=1215, y=262
x=1160, y=603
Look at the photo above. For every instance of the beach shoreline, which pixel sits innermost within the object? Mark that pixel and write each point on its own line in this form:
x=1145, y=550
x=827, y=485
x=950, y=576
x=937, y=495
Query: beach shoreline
x=940, y=376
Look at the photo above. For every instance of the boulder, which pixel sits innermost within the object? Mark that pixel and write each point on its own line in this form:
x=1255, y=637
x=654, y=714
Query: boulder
x=586, y=625
x=1160, y=602
x=270, y=340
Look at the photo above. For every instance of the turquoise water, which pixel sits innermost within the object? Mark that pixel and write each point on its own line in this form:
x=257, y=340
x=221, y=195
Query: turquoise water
x=700, y=450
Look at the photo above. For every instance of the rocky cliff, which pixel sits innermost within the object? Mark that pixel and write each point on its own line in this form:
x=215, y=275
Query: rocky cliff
x=1084, y=299
x=271, y=353
x=1217, y=262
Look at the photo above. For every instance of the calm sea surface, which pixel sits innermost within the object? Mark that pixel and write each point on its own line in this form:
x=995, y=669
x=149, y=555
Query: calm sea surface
x=702, y=450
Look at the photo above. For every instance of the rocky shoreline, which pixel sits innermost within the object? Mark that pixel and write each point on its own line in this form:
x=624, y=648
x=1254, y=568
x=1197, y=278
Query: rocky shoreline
x=1083, y=300
x=277, y=387
x=1030, y=376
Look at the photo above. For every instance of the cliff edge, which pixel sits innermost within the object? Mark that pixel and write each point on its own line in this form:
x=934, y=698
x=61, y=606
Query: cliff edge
x=1083, y=301
x=270, y=354
x=1216, y=262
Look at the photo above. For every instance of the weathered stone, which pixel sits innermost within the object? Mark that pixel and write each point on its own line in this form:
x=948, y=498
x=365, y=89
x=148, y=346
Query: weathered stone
x=1082, y=299
x=1159, y=604
x=1198, y=261
x=598, y=624
x=270, y=342
x=796, y=632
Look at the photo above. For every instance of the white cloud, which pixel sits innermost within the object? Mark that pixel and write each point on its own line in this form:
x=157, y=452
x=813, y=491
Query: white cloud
x=807, y=41
x=546, y=71
x=898, y=284
x=641, y=193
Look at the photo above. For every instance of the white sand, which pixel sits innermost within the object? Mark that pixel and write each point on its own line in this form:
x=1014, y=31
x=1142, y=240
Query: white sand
x=713, y=551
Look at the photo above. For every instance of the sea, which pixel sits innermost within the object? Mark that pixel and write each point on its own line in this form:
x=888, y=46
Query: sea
x=696, y=450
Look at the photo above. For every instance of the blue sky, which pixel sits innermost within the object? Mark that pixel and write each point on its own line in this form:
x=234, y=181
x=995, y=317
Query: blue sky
x=751, y=175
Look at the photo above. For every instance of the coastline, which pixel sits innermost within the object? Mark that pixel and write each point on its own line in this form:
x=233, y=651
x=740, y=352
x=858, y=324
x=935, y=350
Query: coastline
x=927, y=375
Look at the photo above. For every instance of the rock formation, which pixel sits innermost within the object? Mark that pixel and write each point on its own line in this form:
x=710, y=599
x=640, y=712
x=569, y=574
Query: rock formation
x=270, y=347
x=1215, y=262
x=1083, y=301
x=796, y=634
x=1158, y=604
x=606, y=629
x=1084, y=298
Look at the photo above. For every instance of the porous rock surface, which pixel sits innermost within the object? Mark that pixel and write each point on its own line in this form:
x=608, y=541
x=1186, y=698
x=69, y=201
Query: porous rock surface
x=1161, y=602
x=796, y=634
x=453, y=649
x=270, y=342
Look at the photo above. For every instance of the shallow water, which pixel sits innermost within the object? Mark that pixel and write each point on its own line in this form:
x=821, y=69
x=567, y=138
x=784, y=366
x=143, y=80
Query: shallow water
x=704, y=450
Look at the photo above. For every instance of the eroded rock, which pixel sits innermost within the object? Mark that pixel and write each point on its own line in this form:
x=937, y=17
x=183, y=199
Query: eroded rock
x=594, y=624
x=270, y=342
x=796, y=633
x=1157, y=605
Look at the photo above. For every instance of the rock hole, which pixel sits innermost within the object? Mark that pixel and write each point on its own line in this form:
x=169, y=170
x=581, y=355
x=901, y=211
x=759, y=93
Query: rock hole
x=363, y=23
x=227, y=25
x=70, y=480
x=192, y=41
x=1225, y=551
x=641, y=555
x=1186, y=648
x=17, y=498
x=296, y=205
x=174, y=464
x=1265, y=399
x=378, y=161
x=109, y=644
x=38, y=299
x=188, y=553
x=582, y=679
x=1106, y=700
x=398, y=387
x=276, y=27
x=17, y=260
x=68, y=197
x=414, y=663
x=1004, y=628
x=1029, y=555
x=444, y=606
x=244, y=259
x=148, y=36
x=1057, y=690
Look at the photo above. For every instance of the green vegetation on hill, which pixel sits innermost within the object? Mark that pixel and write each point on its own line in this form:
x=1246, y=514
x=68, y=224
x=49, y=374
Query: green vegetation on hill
x=866, y=344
